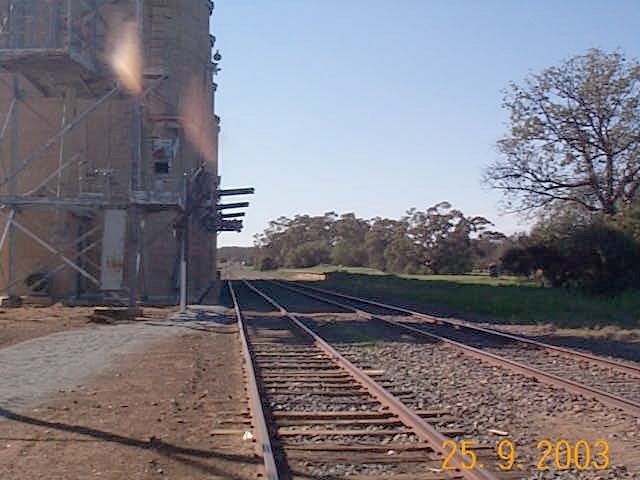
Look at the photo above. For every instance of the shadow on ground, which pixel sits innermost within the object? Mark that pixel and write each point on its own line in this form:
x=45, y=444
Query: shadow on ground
x=193, y=457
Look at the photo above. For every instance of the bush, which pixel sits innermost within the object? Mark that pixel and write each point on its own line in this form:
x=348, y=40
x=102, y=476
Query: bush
x=595, y=258
x=309, y=254
x=266, y=262
x=525, y=260
x=348, y=255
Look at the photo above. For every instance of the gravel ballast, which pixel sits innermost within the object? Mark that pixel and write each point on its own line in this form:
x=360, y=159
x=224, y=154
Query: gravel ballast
x=483, y=398
x=31, y=370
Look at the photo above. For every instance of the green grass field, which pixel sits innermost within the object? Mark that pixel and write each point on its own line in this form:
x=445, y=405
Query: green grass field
x=480, y=297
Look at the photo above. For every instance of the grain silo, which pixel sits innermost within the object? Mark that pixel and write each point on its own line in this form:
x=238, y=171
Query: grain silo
x=108, y=149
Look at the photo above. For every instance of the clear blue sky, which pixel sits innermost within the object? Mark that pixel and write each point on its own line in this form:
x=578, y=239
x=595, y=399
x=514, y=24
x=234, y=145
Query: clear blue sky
x=373, y=106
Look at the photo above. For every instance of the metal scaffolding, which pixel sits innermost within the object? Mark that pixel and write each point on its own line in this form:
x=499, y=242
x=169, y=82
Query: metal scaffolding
x=52, y=53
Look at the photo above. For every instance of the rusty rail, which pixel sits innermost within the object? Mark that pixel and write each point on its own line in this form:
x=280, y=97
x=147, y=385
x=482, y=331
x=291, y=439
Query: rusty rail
x=422, y=429
x=566, y=352
x=263, y=442
x=548, y=378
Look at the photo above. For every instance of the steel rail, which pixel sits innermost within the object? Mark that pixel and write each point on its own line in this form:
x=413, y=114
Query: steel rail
x=263, y=443
x=562, y=351
x=425, y=431
x=540, y=375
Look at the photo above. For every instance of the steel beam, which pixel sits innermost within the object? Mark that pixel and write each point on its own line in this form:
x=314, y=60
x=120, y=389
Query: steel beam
x=226, y=206
x=56, y=173
x=7, y=226
x=7, y=119
x=48, y=201
x=184, y=249
x=15, y=138
x=236, y=191
x=230, y=226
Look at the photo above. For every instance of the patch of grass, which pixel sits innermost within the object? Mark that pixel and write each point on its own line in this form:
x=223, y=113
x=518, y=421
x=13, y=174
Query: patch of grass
x=287, y=272
x=475, y=279
x=506, y=300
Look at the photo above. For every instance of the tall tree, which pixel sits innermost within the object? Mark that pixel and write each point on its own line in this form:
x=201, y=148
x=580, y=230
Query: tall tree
x=574, y=136
x=348, y=234
x=442, y=236
x=378, y=239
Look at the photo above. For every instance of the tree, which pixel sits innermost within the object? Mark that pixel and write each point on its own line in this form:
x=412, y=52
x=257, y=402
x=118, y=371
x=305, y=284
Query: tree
x=628, y=220
x=574, y=136
x=488, y=247
x=595, y=257
x=382, y=234
x=443, y=237
x=285, y=240
x=440, y=240
x=348, y=236
x=348, y=254
x=401, y=254
x=309, y=254
x=265, y=262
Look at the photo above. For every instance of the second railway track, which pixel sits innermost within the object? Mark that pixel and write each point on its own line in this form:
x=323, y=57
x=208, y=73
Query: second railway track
x=614, y=383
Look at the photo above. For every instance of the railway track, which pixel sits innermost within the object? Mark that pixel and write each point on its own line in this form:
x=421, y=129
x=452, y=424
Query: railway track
x=317, y=415
x=615, y=384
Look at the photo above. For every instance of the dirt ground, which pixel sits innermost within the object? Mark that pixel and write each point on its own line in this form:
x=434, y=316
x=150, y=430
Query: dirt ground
x=177, y=410
x=20, y=324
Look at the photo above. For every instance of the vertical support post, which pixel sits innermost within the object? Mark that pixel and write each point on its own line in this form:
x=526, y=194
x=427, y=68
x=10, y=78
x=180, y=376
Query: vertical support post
x=184, y=248
x=15, y=150
x=137, y=107
x=68, y=111
x=135, y=183
x=133, y=249
x=69, y=26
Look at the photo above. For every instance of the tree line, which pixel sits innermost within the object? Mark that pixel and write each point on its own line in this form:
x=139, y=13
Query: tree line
x=440, y=239
x=595, y=254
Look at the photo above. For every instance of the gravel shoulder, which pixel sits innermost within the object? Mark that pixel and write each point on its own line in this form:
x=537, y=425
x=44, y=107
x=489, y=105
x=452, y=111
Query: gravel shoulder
x=21, y=324
x=135, y=401
x=33, y=369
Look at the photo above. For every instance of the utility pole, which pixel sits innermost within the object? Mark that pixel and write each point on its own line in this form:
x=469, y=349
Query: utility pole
x=15, y=139
x=135, y=181
x=184, y=247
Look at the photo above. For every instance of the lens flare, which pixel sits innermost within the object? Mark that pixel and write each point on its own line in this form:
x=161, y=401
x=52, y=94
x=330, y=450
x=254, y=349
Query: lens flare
x=197, y=120
x=126, y=57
